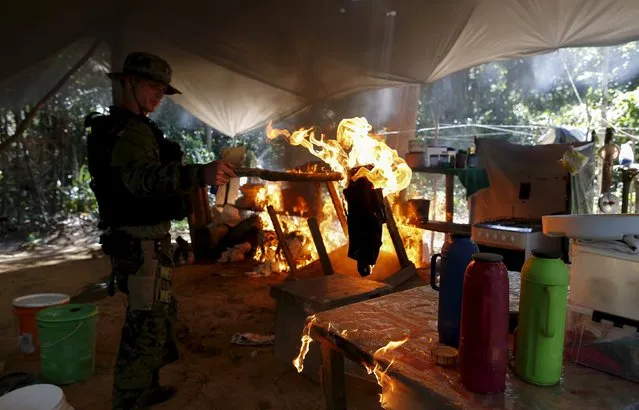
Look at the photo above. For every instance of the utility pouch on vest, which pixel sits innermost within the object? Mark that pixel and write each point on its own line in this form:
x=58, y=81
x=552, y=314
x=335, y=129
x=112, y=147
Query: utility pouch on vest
x=142, y=285
x=152, y=283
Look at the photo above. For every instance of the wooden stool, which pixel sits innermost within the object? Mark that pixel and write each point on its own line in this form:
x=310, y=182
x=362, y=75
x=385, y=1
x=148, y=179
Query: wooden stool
x=296, y=300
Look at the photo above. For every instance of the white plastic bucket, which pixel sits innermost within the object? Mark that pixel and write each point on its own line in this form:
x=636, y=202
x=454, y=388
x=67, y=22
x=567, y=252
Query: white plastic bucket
x=35, y=397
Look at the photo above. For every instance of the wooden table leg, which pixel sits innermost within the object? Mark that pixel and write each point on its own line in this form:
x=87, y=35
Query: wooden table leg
x=396, y=237
x=450, y=203
x=333, y=380
x=281, y=239
x=316, y=234
x=339, y=209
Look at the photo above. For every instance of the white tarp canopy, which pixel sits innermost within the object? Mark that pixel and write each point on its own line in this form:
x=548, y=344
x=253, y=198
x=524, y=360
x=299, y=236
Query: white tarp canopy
x=241, y=63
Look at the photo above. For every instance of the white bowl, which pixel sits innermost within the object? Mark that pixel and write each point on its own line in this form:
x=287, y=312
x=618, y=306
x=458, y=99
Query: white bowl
x=599, y=227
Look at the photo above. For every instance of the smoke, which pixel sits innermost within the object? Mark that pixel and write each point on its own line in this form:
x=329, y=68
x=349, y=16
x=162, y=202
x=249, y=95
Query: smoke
x=586, y=66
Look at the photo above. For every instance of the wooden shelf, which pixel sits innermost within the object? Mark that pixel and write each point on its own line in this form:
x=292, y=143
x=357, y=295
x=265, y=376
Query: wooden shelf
x=446, y=227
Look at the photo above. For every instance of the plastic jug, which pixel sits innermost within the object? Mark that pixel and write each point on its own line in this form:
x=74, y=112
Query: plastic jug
x=542, y=319
x=456, y=255
x=483, y=342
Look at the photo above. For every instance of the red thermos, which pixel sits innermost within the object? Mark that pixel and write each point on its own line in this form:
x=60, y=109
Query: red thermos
x=483, y=344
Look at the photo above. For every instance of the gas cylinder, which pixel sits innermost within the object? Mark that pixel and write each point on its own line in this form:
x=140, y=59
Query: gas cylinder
x=542, y=319
x=483, y=343
x=455, y=256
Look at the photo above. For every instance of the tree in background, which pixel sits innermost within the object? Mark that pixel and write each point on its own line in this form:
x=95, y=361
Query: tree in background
x=43, y=177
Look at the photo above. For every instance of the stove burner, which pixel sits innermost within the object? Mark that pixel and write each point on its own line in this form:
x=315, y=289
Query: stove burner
x=512, y=225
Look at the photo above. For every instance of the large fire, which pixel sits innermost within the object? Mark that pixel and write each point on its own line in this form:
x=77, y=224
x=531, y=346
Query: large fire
x=296, y=229
x=354, y=146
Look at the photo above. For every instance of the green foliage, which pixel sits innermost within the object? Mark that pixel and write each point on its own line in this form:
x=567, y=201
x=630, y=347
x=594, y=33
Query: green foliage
x=78, y=196
x=44, y=178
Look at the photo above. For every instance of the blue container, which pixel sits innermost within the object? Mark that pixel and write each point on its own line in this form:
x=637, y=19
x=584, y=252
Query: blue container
x=456, y=255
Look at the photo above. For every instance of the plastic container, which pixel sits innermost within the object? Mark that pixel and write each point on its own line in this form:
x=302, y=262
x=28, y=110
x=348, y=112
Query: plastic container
x=601, y=345
x=603, y=280
x=483, y=343
x=539, y=344
x=35, y=397
x=67, y=342
x=456, y=255
x=25, y=309
x=599, y=227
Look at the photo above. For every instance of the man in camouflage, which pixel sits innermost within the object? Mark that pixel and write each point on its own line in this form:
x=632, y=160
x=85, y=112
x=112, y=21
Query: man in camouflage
x=140, y=184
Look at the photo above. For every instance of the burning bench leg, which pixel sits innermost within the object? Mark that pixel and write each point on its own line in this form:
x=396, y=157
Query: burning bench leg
x=408, y=269
x=333, y=378
x=319, y=245
x=281, y=239
x=339, y=208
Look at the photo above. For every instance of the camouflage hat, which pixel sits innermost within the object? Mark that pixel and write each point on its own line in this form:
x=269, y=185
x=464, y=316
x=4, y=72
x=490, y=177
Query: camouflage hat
x=148, y=66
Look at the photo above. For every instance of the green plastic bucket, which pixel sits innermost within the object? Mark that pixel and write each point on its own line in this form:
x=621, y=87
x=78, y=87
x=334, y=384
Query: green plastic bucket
x=67, y=342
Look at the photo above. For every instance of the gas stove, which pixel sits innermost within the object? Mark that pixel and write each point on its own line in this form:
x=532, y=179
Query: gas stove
x=513, y=238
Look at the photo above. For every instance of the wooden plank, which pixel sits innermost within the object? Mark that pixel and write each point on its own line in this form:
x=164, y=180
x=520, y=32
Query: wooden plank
x=339, y=208
x=329, y=291
x=333, y=380
x=319, y=245
x=398, y=244
x=281, y=239
x=446, y=227
x=268, y=175
x=402, y=276
x=450, y=203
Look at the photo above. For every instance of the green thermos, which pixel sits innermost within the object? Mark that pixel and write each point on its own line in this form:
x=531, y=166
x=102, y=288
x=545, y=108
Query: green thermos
x=539, y=343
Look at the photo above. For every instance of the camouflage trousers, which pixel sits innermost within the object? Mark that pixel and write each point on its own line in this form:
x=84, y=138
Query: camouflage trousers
x=148, y=339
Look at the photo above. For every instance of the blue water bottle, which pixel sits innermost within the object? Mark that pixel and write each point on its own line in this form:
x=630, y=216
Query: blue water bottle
x=455, y=256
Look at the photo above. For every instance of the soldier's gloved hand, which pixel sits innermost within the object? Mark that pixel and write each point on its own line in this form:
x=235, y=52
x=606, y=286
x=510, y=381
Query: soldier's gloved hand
x=217, y=172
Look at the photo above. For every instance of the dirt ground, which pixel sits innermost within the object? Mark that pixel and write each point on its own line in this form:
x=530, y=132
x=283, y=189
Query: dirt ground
x=215, y=301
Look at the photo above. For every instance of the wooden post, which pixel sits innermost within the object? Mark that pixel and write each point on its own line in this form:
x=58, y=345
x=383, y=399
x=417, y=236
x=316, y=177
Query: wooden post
x=627, y=176
x=281, y=239
x=610, y=152
x=339, y=209
x=333, y=380
x=319, y=245
x=450, y=203
x=398, y=244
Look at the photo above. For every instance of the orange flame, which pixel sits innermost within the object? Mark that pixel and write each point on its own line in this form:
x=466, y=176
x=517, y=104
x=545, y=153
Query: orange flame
x=298, y=362
x=302, y=245
x=384, y=381
x=412, y=237
x=355, y=146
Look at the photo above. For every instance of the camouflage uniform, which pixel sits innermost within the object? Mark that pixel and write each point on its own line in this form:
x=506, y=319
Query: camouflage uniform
x=143, y=267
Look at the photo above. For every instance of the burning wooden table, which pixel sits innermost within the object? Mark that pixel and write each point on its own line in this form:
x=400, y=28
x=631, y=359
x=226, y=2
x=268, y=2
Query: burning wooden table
x=370, y=171
x=392, y=336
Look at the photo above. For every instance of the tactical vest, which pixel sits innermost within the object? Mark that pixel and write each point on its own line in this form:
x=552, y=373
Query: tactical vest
x=116, y=204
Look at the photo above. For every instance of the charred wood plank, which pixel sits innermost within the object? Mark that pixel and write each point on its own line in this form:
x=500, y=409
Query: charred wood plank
x=281, y=239
x=268, y=175
x=339, y=208
x=398, y=244
x=313, y=226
